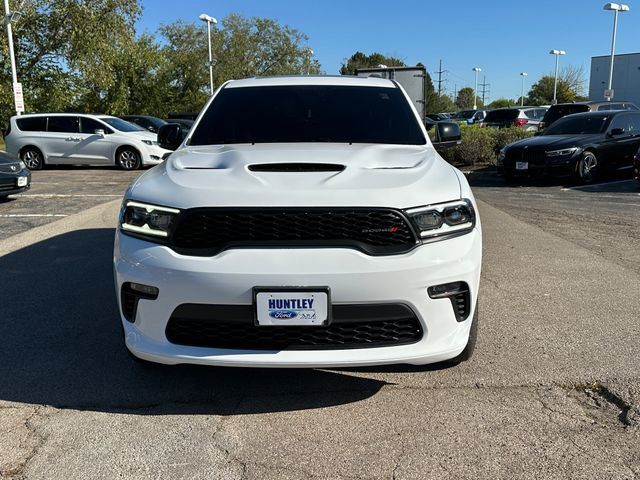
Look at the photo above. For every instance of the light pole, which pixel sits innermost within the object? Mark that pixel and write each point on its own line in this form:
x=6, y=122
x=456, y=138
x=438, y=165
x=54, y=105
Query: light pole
x=206, y=18
x=309, y=55
x=475, y=90
x=617, y=8
x=557, y=53
x=523, y=74
x=9, y=17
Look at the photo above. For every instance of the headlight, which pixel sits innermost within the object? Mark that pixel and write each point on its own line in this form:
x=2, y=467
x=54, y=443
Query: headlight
x=444, y=219
x=147, y=220
x=22, y=165
x=561, y=153
x=150, y=142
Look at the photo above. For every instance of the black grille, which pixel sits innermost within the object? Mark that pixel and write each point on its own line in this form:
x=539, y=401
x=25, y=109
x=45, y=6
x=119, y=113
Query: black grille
x=8, y=187
x=461, y=304
x=535, y=157
x=374, y=231
x=352, y=326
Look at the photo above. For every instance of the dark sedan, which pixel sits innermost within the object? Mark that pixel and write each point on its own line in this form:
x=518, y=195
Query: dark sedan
x=583, y=145
x=15, y=177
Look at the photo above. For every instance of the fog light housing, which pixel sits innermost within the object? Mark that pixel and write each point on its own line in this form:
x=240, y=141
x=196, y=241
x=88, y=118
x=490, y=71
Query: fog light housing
x=131, y=293
x=459, y=295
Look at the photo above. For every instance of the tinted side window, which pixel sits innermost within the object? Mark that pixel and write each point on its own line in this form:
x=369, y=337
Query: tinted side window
x=620, y=121
x=602, y=108
x=63, y=124
x=33, y=124
x=89, y=125
x=634, y=123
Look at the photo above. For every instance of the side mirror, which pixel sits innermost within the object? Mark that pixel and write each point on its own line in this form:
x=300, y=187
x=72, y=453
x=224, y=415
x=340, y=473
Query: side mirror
x=447, y=135
x=99, y=131
x=152, y=129
x=170, y=136
x=616, y=132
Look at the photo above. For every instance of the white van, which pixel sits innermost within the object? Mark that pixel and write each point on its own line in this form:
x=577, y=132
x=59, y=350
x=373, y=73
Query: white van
x=77, y=139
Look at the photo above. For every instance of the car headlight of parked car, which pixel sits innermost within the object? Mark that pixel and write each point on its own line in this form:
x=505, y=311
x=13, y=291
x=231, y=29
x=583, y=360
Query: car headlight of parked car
x=562, y=153
x=436, y=222
x=145, y=220
x=150, y=142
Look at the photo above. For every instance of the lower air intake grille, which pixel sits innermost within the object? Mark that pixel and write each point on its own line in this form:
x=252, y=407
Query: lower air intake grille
x=353, y=326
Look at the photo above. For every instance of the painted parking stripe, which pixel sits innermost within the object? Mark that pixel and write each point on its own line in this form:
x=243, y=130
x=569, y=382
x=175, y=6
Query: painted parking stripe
x=32, y=215
x=59, y=195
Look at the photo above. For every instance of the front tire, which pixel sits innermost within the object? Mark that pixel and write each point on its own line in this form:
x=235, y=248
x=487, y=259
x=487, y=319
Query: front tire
x=587, y=168
x=32, y=158
x=128, y=159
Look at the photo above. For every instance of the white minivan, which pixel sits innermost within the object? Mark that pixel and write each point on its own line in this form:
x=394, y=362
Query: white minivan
x=303, y=222
x=79, y=139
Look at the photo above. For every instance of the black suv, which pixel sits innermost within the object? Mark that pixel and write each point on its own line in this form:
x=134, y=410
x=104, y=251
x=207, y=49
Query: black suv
x=560, y=110
x=584, y=145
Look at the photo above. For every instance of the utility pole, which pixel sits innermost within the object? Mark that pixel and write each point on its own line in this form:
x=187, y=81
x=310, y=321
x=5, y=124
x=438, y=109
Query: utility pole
x=9, y=16
x=485, y=89
x=440, y=72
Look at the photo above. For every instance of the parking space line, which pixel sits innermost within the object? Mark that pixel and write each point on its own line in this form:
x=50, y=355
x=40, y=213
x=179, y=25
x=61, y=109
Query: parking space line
x=60, y=195
x=32, y=215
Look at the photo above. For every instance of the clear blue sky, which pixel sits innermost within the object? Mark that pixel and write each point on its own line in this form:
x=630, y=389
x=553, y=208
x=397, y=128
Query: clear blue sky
x=502, y=37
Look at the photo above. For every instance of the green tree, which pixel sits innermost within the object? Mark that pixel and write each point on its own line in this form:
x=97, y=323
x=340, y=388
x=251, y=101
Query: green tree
x=503, y=102
x=570, y=87
x=464, y=100
x=61, y=47
x=360, y=60
x=243, y=47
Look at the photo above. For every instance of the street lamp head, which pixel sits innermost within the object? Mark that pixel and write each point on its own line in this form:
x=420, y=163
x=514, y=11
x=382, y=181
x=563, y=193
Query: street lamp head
x=206, y=18
x=477, y=69
x=524, y=74
x=557, y=52
x=619, y=7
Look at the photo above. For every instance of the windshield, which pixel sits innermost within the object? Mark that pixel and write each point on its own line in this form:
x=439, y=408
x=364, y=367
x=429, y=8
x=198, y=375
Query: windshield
x=309, y=113
x=559, y=111
x=122, y=125
x=580, y=125
x=465, y=114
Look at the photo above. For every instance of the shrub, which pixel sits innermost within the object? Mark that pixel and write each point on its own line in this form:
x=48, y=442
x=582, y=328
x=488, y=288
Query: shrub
x=481, y=145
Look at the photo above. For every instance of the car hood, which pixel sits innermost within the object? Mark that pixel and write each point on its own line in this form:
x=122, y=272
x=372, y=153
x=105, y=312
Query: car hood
x=374, y=175
x=143, y=135
x=555, y=141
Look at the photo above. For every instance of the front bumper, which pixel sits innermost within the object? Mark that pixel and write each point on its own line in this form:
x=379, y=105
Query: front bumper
x=549, y=167
x=353, y=277
x=155, y=155
x=9, y=183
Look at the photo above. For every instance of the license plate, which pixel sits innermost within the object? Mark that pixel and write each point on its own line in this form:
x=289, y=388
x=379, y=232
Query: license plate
x=22, y=181
x=292, y=307
x=522, y=165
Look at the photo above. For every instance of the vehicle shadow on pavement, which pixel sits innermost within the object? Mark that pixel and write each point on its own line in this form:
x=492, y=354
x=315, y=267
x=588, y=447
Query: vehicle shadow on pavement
x=62, y=346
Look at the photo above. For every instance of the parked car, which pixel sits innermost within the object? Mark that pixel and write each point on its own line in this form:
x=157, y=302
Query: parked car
x=15, y=177
x=78, y=139
x=584, y=145
x=560, y=110
x=305, y=222
x=469, y=116
x=528, y=118
x=152, y=124
x=437, y=117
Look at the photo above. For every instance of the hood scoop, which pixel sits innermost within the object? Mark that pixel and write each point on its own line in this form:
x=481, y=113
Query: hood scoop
x=296, y=167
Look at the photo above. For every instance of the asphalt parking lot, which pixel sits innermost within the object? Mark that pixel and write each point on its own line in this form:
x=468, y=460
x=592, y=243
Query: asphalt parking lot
x=553, y=390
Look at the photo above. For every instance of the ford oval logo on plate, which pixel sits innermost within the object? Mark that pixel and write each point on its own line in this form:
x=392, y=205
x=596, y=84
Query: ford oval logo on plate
x=283, y=314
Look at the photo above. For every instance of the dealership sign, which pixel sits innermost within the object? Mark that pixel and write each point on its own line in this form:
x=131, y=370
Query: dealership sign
x=17, y=97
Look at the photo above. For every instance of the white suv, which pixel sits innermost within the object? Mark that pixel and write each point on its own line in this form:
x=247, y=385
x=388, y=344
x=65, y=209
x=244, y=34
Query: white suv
x=75, y=139
x=304, y=222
